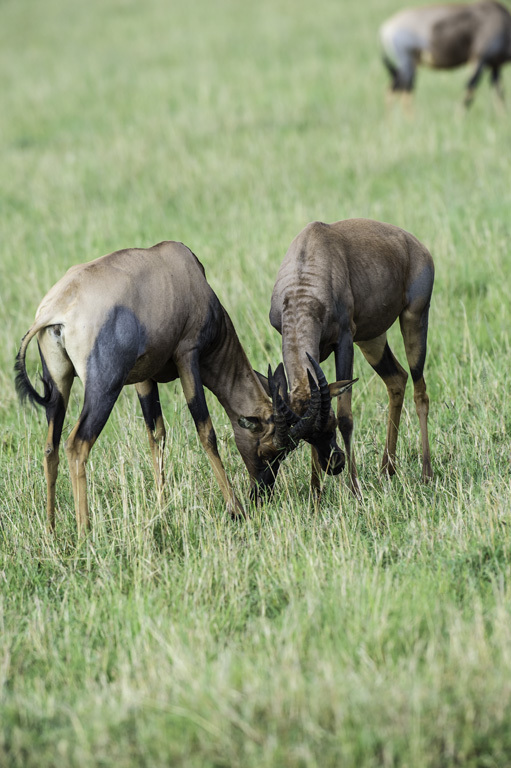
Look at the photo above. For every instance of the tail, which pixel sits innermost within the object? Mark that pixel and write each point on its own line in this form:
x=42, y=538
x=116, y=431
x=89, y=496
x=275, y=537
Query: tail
x=24, y=386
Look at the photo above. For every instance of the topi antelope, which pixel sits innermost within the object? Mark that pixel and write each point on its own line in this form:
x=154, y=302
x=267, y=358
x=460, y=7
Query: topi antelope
x=347, y=283
x=143, y=317
x=444, y=37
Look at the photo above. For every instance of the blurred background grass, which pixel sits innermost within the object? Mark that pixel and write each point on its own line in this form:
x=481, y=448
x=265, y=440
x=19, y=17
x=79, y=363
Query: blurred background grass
x=368, y=634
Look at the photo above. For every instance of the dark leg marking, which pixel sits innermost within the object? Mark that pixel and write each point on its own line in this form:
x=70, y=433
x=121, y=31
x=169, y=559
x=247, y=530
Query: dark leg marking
x=149, y=400
x=344, y=370
x=151, y=408
x=387, y=366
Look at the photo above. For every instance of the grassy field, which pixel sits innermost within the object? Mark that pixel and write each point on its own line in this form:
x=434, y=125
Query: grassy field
x=369, y=634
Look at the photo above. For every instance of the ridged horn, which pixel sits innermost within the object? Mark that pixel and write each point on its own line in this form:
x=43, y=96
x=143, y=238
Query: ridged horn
x=305, y=427
x=326, y=400
x=291, y=416
x=281, y=434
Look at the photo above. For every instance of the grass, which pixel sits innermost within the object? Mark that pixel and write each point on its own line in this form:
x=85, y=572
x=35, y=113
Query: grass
x=368, y=634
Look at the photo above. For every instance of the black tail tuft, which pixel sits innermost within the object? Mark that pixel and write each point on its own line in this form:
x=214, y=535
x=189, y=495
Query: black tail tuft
x=24, y=387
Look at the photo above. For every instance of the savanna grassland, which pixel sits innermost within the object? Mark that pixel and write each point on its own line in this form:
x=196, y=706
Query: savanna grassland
x=372, y=633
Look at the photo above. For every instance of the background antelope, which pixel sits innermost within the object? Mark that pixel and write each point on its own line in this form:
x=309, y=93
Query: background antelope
x=446, y=36
x=145, y=316
x=347, y=283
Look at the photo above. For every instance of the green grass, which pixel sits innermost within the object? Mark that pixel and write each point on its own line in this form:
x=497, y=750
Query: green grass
x=369, y=634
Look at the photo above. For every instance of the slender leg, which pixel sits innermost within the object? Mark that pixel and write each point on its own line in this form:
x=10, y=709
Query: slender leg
x=77, y=451
x=473, y=83
x=421, y=400
x=191, y=382
x=55, y=417
x=380, y=357
x=344, y=370
x=58, y=383
x=150, y=403
x=414, y=327
x=97, y=406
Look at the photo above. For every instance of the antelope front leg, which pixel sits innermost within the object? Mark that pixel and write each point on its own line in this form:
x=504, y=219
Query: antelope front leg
x=344, y=371
x=194, y=394
x=345, y=423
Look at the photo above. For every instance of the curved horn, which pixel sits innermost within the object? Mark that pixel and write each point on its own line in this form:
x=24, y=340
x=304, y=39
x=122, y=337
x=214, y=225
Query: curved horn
x=291, y=416
x=305, y=426
x=281, y=434
x=284, y=407
x=326, y=400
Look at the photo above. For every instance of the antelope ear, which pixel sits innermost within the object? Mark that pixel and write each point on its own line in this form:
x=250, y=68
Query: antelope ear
x=264, y=381
x=279, y=379
x=338, y=387
x=250, y=422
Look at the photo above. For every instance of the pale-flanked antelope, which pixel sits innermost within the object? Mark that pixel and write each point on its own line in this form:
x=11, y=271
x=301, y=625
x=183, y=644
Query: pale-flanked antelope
x=143, y=317
x=347, y=283
x=447, y=36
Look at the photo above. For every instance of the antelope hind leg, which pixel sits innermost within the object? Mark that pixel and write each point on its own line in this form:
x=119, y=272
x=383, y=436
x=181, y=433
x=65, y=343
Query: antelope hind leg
x=414, y=327
x=381, y=358
x=149, y=400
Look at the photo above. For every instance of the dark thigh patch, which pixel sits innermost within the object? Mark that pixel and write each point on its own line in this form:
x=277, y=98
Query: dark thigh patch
x=420, y=290
x=119, y=342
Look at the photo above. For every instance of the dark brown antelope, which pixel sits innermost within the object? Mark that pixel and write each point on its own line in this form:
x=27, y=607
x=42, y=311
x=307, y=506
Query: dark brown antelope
x=142, y=317
x=447, y=36
x=347, y=283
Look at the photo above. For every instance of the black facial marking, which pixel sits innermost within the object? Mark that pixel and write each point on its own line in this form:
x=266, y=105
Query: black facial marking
x=265, y=480
x=331, y=457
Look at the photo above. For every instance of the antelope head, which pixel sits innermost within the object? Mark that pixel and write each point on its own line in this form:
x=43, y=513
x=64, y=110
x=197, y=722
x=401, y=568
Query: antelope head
x=317, y=426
